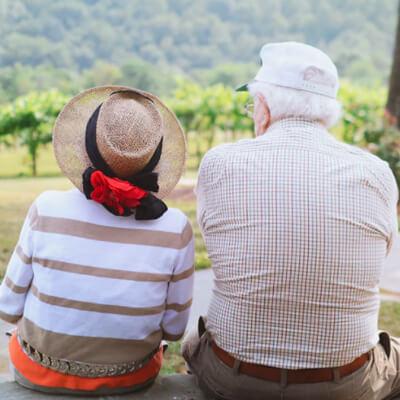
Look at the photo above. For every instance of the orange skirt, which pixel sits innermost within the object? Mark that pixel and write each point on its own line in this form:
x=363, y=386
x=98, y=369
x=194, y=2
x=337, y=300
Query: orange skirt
x=42, y=376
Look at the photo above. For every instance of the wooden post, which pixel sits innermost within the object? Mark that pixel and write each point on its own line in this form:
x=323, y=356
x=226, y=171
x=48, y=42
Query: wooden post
x=393, y=102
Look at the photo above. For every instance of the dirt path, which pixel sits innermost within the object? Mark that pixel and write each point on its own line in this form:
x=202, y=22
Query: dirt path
x=183, y=193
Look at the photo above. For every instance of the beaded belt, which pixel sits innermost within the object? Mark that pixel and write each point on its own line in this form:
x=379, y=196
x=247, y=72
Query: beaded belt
x=82, y=369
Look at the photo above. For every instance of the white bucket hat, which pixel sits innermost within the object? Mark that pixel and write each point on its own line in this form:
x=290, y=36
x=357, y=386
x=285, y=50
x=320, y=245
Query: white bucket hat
x=297, y=66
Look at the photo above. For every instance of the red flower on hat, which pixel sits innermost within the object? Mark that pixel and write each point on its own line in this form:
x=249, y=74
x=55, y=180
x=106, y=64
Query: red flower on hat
x=115, y=193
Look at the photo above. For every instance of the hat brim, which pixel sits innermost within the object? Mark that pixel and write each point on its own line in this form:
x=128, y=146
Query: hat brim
x=242, y=88
x=70, y=130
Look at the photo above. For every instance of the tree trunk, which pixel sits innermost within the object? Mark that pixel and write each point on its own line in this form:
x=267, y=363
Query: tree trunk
x=33, y=152
x=34, y=163
x=393, y=102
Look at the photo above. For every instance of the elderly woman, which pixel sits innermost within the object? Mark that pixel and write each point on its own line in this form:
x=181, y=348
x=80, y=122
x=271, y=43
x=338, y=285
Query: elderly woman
x=297, y=226
x=102, y=273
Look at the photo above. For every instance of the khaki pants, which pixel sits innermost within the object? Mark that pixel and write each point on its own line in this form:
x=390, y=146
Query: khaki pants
x=378, y=379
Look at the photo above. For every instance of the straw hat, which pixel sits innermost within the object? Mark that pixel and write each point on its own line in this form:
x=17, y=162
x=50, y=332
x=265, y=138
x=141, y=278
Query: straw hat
x=130, y=125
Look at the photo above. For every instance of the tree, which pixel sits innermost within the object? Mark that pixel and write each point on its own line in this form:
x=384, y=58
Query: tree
x=393, y=102
x=19, y=80
x=143, y=75
x=206, y=113
x=362, y=124
x=30, y=120
x=102, y=74
x=193, y=35
x=231, y=75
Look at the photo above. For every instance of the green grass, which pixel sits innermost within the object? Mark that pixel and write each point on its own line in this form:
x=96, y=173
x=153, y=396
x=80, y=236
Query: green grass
x=14, y=161
x=173, y=361
x=389, y=318
x=16, y=195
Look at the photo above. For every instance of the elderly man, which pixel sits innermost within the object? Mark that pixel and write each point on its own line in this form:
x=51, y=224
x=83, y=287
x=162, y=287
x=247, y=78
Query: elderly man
x=297, y=226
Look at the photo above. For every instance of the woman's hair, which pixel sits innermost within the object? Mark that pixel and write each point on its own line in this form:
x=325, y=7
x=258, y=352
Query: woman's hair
x=286, y=102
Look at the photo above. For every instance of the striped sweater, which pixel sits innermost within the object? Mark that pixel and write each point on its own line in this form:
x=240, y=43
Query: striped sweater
x=85, y=285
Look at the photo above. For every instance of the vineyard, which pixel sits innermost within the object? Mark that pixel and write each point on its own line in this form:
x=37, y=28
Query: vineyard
x=209, y=116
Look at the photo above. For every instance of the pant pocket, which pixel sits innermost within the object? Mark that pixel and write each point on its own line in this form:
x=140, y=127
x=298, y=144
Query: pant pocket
x=385, y=341
x=382, y=373
x=201, y=326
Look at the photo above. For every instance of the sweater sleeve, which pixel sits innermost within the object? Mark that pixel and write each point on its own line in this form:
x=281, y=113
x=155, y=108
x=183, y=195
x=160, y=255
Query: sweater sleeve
x=180, y=289
x=19, y=274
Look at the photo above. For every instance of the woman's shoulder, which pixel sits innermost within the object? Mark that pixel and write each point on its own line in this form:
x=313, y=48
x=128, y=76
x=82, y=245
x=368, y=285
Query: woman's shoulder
x=50, y=199
x=72, y=204
x=173, y=220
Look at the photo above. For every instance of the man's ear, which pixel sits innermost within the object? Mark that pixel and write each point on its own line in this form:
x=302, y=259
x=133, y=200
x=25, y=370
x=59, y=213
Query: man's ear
x=262, y=115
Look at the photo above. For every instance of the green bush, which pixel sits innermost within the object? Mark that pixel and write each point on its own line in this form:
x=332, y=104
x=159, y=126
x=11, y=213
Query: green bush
x=29, y=120
x=211, y=115
x=363, y=124
x=388, y=148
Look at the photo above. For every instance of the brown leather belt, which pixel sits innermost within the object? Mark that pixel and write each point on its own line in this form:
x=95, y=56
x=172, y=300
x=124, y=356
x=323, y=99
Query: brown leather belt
x=293, y=376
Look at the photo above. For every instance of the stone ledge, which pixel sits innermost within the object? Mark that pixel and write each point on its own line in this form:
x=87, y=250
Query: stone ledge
x=173, y=387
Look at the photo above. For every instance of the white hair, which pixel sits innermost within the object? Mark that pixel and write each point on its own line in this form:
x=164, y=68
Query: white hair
x=286, y=102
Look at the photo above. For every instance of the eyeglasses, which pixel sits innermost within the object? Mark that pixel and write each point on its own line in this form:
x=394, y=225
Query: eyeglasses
x=249, y=109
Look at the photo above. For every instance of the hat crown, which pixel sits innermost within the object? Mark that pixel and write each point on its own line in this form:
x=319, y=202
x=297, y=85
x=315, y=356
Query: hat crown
x=70, y=131
x=129, y=129
x=298, y=66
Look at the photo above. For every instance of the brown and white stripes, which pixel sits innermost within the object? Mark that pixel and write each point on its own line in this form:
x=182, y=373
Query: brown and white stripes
x=85, y=284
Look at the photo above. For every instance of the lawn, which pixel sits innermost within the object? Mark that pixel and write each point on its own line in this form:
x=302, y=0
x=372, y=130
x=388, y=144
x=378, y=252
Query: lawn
x=14, y=160
x=17, y=194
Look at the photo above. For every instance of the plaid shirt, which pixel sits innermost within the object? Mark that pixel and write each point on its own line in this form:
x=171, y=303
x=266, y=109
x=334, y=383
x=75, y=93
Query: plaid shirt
x=297, y=226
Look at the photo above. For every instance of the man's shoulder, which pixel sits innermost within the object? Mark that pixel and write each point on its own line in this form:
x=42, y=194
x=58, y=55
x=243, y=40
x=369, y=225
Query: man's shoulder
x=355, y=151
x=216, y=161
x=367, y=159
x=212, y=165
x=218, y=151
x=213, y=156
x=226, y=149
x=374, y=170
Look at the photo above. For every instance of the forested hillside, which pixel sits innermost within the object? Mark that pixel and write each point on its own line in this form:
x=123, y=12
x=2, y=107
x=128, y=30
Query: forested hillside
x=187, y=36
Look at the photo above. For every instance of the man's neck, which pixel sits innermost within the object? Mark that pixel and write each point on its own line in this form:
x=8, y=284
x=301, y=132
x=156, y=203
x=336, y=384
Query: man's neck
x=293, y=122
